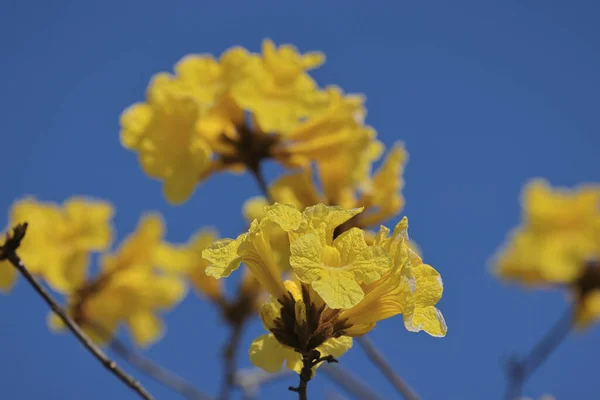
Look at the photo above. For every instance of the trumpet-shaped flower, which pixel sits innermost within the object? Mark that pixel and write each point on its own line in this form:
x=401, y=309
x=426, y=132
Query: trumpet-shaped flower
x=133, y=286
x=557, y=243
x=341, y=288
x=59, y=239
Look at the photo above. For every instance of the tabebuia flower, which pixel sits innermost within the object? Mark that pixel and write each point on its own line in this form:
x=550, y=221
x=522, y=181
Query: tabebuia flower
x=244, y=108
x=337, y=288
x=557, y=245
x=133, y=287
x=59, y=240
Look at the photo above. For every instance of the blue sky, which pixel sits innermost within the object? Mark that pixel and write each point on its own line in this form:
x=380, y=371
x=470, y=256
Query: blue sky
x=484, y=94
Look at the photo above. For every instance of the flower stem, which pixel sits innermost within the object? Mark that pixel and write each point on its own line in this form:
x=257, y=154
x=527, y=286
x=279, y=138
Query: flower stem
x=8, y=252
x=520, y=370
x=157, y=372
x=229, y=358
x=310, y=360
x=379, y=360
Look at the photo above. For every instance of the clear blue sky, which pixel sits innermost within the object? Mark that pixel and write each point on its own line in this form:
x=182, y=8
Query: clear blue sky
x=484, y=94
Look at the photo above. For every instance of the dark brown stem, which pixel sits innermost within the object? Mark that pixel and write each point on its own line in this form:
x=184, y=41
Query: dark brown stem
x=519, y=370
x=230, y=358
x=379, y=360
x=8, y=252
x=309, y=360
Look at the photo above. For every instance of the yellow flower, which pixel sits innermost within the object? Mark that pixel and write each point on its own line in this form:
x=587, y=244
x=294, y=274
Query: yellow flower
x=133, y=296
x=560, y=232
x=132, y=287
x=558, y=244
x=277, y=90
x=341, y=288
x=59, y=239
x=163, y=133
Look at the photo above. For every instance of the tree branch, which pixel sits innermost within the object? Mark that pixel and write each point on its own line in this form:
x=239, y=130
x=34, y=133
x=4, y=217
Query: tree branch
x=379, y=360
x=521, y=370
x=8, y=252
x=157, y=372
x=349, y=382
x=229, y=358
x=256, y=172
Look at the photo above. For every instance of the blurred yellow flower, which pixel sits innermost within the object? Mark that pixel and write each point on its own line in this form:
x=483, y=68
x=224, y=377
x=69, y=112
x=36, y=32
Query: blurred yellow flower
x=557, y=243
x=235, y=112
x=163, y=133
x=59, y=239
x=133, y=285
x=277, y=90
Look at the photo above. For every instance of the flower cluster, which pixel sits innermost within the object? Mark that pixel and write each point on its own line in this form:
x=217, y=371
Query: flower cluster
x=136, y=282
x=339, y=287
x=232, y=113
x=558, y=244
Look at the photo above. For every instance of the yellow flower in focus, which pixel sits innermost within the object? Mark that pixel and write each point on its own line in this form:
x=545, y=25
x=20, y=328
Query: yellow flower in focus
x=558, y=243
x=133, y=286
x=277, y=90
x=410, y=288
x=163, y=133
x=59, y=239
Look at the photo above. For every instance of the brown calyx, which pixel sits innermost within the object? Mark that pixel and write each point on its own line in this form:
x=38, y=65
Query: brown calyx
x=249, y=147
x=589, y=279
x=321, y=323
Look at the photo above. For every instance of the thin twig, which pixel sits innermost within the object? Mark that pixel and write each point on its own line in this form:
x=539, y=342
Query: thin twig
x=521, y=370
x=252, y=379
x=349, y=382
x=230, y=358
x=8, y=252
x=379, y=360
x=157, y=372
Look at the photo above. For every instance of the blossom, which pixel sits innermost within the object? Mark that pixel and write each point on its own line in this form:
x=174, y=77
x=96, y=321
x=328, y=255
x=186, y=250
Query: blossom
x=133, y=287
x=340, y=288
x=278, y=91
x=163, y=133
x=557, y=243
x=59, y=239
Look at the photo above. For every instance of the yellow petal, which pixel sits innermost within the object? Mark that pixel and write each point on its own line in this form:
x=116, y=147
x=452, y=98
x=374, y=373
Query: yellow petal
x=428, y=319
x=429, y=286
x=286, y=216
x=266, y=353
x=55, y=323
x=180, y=186
x=134, y=122
x=90, y=221
x=167, y=291
x=8, y=276
x=305, y=257
x=146, y=328
x=223, y=254
x=335, y=346
x=328, y=217
x=338, y=289
x=254, y=208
